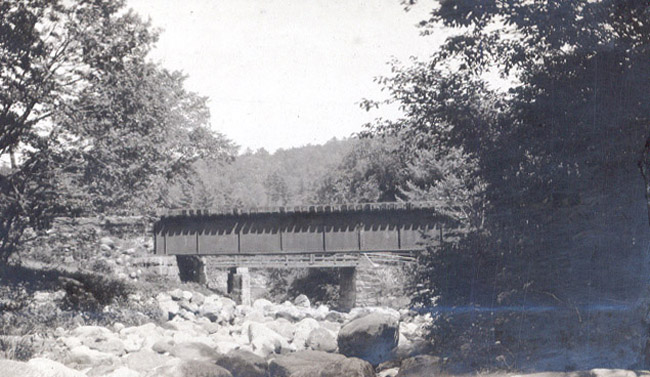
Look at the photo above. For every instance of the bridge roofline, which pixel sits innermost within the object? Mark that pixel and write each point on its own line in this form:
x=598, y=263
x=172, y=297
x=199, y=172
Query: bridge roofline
x=322, y=208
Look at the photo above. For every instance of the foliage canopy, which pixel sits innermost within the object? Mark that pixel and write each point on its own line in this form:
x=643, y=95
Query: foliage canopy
x=88, y=124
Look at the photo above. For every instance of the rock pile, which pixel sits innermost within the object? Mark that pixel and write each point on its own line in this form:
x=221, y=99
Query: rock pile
x=212, y=336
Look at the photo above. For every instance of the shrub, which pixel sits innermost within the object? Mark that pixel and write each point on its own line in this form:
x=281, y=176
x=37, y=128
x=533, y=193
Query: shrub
x=319, y=284
x=92, y=292
x=19, y=348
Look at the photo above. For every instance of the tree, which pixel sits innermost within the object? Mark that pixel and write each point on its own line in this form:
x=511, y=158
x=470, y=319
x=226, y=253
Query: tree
x=555, y=155
x=141, y=129
x=85, y=120
x=371, y=172
x=277, y=191
x=582, y=68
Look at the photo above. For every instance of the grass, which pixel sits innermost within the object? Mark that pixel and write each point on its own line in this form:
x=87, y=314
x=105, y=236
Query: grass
x=89, y=299
x=19, y=348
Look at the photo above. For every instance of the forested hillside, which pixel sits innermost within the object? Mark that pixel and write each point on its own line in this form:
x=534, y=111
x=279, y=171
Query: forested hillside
x=258, y=178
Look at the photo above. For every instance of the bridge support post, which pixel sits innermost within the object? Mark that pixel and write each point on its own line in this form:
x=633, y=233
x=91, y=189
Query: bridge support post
x=239, y=285
x=191, y=268
x=348, y=288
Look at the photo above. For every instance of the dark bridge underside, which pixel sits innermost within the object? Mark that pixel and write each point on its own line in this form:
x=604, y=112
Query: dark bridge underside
x=293, y=237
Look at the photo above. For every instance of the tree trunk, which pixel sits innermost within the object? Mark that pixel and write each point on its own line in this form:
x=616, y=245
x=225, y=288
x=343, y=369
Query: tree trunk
x=644, y=166
x=12, y=159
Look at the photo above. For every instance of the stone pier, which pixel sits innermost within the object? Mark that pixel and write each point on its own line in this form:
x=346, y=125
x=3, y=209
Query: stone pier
x=239, y=285
x=193, y=268
x=347, y=288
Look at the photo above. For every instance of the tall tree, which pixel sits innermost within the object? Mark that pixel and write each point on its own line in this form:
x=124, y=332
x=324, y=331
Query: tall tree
x=85, y=121
x=556, y=154
x=139, y=129
x=370, y=172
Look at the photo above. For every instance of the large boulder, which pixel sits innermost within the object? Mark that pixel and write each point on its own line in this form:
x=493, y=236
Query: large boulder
x=83, y=357
x=283, y=327
x=303, y=329
x=421, y=365
x=300, y=362
x=194, y=351
x=243, y=364
x=349, y=367
x=197, y=368
x=197, y=298
x=169, y=308
x=176, y=294
x=100, y=339
x=302, y=301
x=372, y=337
x=321, y=340
x=262, y=304
x=266, y=341
x=144, y=336
x=145, y=360
x=36, y=368
x=319, y=364
x=211, y=308
x=163, y=346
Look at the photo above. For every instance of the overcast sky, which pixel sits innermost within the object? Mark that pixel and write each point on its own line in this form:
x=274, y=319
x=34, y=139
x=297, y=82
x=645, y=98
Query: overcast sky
x=285, y=73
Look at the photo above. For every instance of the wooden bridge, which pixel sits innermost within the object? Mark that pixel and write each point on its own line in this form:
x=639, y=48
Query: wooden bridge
x=291, y=237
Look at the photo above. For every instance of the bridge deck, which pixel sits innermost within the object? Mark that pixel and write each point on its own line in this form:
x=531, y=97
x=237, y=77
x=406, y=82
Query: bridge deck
x=313, y=236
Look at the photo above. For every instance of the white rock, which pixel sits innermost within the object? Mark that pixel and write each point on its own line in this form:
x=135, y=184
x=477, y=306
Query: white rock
x=211, y=310
x=225, y=347
x=169, y=308
x=283, y=327
x=197, y=298
x=321, y=312
x=266, y=341
x=162, y=296
x=303, y=328
x=84, y=356
x=262, y=304
x=392, y=372
x=49, y=368
x=70, y=341
x=302, y=301
x=133, y=343
x=108, y=241
x=176, y=294
x=123, y=372
x=190, y=307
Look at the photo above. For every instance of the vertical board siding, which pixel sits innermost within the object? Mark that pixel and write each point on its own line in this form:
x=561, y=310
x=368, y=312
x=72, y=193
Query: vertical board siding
x=219, y=236
x=374, y=229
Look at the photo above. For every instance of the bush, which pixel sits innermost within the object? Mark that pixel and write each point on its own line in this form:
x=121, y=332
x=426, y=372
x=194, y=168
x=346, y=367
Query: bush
x=19, y=348
x=88, y=292
x=321, y=285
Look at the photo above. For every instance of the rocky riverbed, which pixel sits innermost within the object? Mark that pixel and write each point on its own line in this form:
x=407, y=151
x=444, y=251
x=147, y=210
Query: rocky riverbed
x=210, y=335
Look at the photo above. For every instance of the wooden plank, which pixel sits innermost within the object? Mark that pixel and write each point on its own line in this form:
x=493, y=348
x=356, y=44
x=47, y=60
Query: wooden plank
x=181, y=243
x=218, y=236
x=260, y=234
x=302, y=232
x=341, y=232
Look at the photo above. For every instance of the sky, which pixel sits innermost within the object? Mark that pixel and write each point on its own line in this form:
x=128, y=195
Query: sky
x=286, y=73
